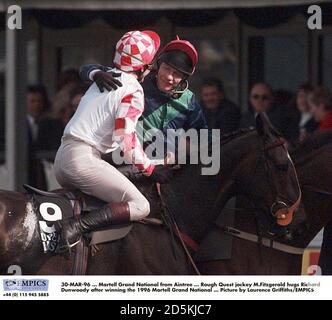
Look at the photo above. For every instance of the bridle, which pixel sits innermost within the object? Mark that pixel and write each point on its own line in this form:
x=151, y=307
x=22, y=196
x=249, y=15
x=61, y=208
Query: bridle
x=282, y=213
x=279, y=215
x=269, y=240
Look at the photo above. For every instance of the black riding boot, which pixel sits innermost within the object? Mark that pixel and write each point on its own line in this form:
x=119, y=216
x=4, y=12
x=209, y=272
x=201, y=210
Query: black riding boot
x=71, y=229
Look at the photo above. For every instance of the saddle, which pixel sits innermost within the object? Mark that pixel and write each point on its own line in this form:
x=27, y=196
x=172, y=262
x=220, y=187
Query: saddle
x=63, y=204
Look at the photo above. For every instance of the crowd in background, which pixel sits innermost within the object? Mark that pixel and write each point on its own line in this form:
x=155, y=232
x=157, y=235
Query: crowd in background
x=295, y=117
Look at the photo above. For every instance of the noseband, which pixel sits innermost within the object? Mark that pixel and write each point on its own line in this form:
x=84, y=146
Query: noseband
x=283, y=214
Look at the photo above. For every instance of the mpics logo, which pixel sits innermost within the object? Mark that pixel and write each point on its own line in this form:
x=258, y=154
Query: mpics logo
x=25, y=285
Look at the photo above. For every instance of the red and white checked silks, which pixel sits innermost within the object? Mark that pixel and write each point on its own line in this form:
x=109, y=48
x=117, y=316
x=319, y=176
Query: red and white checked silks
x=105, y=121
x=124, y=134
x=108, y=121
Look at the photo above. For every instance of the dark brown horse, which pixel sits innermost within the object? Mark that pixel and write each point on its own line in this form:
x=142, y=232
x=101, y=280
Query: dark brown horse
x=313, y=160
x=252, y=162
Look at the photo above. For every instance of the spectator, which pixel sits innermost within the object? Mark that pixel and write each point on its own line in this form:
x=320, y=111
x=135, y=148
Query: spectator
x=74, y=95
x=68, y=76
x=51, y=129
x=37, y=104
x=261, y=100
x=220, y=113
x=307, y=123
x=321, y=105
x=69, y=79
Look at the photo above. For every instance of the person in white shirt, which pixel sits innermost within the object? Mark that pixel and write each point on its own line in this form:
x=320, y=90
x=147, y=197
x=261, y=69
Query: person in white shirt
x=102, y=123
x=307, y=123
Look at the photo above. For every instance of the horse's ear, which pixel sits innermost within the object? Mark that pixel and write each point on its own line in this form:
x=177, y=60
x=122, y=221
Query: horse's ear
x=262, y=124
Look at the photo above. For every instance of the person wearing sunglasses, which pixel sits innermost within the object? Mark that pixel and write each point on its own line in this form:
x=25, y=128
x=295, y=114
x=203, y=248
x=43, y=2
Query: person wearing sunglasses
x=260, y=100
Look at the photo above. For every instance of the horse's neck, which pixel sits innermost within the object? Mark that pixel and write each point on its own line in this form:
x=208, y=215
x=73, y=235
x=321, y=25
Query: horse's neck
x=191, y=199
x=315, y=171
x=237, y=150
x=195, y=199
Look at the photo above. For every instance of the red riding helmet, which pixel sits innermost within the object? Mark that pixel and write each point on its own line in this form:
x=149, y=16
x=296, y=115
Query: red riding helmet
x=181, y=55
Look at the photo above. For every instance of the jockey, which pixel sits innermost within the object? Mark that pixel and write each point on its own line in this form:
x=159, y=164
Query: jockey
x=169, y=104
x=102, y=123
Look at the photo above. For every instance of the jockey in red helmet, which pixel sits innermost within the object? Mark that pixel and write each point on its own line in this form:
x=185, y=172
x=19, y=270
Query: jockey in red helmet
x=182, y=56
x=169, y=104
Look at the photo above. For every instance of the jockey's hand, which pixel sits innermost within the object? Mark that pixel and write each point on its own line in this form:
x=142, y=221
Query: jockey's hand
x=107, y=80
x=162, y=174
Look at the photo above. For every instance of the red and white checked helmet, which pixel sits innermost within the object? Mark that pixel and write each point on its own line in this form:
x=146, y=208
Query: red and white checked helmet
x=136, y=49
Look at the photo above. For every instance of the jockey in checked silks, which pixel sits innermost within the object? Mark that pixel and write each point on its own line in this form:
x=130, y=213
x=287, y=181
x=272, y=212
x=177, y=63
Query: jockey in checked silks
x=102, y=123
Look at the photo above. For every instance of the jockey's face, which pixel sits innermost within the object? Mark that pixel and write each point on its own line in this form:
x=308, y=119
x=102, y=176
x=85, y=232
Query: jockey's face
x=168, y=78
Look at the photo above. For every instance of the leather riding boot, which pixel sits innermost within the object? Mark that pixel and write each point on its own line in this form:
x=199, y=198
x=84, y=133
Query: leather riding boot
x=71, y=229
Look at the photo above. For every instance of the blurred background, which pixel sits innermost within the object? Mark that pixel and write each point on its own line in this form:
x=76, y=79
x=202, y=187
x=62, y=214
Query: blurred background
x=240, y=44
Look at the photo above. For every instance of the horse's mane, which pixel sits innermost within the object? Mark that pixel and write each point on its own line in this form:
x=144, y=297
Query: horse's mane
x=312, y=143
x=227, y=137
x=235, y=134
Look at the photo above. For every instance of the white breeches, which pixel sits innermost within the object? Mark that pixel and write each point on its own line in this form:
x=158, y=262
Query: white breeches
x=79, y=165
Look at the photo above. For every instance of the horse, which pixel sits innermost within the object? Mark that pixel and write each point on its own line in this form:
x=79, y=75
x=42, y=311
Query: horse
x=312, y=160
x=252, y=161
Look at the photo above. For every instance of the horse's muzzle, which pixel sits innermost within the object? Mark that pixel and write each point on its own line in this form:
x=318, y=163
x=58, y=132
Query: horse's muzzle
x=280, y=211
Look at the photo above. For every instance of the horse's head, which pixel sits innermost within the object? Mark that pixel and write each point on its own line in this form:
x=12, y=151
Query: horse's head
x=254, y=164
x=272, y=186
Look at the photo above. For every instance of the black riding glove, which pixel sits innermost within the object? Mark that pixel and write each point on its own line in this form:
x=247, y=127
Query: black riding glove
x=162, y=174
x=107, y=80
